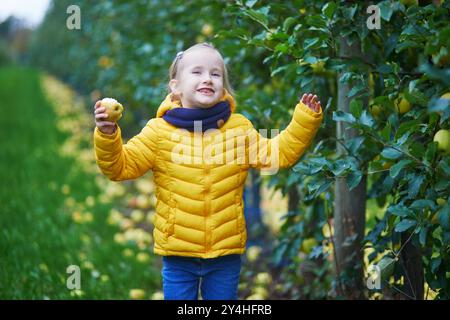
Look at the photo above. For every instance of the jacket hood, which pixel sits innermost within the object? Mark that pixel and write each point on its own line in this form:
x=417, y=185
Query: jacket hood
x=168, y=104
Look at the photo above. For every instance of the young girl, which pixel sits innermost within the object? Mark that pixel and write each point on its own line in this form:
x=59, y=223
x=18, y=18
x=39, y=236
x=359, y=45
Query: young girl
x=200, y=227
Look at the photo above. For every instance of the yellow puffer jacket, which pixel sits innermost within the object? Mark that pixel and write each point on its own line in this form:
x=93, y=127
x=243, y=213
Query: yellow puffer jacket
x=199, y=209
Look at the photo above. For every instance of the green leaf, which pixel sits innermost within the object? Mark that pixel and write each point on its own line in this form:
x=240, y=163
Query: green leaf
x=391, y=153
x=354, y=144
x=343, y=116
x=410, y=30
x=421, y=204
x=405, y=45
x=282, y=36
x=384, y=68
x=430, y=153
x=340, y=166
x=441, y=106
x=305, y=81
x=236, y=32
x=407, y=126
x=435, y=263
x=446, y=238
x=288, y=23
x=311, y=43
x=321, y=161
x=349, y=12
x=386, y=10
x=316, y=188
x=356, y=107
x=367, y=119
x=423, y=236
x=280, y=252
x=402, y=139
x=328, y=9
x=282, y=47
x=400, y=210
x=279, y=69
x=302, y=168
x=417, y=149
x=268, y=59
x=414, y=185
x=386, y=266
x=324, y=187
x=317, y=21
x=386, y=132
x=445, y=166
x=291, y=180
x=250, y=3
x=404, y=225
x=442, y=75
x=442, y=185
x=416, y=97
x=313, y=186
x=396, y=168
x=346, y=77
x=356, y=90
x=256, y=41
x=259, y=16
x=444, y=217
x=353, y=179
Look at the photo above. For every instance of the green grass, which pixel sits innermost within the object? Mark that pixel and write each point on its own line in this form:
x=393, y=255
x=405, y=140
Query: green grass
x=38, y=238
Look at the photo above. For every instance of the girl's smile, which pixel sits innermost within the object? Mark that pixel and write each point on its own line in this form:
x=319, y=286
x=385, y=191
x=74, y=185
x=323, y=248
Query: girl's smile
x=206, y=91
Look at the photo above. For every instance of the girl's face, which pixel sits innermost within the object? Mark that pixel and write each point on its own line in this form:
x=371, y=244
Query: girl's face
x=200, y=78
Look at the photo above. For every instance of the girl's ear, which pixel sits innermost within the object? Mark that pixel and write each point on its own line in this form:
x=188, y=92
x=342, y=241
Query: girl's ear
x=173, y=85
x=173, y=88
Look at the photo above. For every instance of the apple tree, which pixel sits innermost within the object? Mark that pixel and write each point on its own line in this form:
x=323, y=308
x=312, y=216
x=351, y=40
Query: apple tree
x=382, y=73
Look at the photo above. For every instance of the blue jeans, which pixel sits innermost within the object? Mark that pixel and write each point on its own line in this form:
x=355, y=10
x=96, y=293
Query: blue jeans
x=219, y=277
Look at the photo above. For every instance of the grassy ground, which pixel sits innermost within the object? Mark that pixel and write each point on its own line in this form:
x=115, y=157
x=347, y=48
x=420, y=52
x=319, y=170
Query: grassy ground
x=50, y=213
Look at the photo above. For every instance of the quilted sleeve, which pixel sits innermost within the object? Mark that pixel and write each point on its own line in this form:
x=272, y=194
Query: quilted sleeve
x=126, y=161
x=284, y=150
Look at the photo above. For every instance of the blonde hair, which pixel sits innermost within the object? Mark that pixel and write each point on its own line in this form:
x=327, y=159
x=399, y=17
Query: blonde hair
x=173, y=70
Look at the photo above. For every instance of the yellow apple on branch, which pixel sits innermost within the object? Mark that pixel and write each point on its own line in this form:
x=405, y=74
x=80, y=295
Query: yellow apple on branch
x=402, y=105
x=442, y=137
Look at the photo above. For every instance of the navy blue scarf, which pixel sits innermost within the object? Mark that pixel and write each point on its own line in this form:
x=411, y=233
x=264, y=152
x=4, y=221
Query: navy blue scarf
x=211, y=118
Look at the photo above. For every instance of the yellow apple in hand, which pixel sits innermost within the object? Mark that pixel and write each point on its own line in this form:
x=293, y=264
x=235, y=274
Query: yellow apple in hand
x=113, y=108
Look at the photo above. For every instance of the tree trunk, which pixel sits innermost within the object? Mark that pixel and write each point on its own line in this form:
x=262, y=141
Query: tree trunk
x=255, y=195
x=252, y=199
x=413, y=269
x=293, y=198
x=350, y=206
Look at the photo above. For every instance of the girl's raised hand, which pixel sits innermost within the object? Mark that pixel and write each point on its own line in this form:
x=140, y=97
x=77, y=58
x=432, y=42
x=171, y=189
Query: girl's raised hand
x=311, y=101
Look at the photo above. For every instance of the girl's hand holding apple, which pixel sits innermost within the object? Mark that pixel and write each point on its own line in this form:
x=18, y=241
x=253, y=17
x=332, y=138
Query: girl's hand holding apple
x=107, y=111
